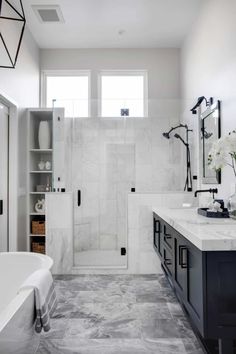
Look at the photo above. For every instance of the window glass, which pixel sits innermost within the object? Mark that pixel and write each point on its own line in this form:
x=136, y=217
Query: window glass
x=70, y=92
x=122, y=95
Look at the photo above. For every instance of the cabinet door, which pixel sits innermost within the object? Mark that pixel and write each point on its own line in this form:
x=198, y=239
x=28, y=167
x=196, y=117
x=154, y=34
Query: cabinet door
x=189, y=278
x=195, y=280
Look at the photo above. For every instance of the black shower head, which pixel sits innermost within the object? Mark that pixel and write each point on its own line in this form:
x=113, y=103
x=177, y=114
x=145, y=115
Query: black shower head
x=207, y=135
x=177, y=136
x=166, y=135
x=199, y=102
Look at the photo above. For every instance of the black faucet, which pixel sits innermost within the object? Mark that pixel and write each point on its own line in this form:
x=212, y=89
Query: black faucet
x=211, y=190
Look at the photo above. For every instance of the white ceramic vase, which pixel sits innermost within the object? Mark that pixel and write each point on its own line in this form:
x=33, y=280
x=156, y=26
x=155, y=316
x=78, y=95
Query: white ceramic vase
x=44, y=135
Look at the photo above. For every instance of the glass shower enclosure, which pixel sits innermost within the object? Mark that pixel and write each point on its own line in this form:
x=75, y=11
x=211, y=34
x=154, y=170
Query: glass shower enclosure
x=101, y=174
x=106, y=158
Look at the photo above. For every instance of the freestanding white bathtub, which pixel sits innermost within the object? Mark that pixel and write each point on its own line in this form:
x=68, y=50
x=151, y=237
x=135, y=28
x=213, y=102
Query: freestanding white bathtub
x=17, y=310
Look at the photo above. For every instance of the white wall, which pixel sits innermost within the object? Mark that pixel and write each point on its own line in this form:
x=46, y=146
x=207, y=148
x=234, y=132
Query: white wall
x=209, y=68
x=22, y=85
x=162, y=65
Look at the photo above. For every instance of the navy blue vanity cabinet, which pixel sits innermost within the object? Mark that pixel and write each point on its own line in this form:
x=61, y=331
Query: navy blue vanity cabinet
x=205, y=284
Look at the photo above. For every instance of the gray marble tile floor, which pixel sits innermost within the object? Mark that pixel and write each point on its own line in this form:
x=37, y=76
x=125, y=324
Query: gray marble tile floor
x=124, y=314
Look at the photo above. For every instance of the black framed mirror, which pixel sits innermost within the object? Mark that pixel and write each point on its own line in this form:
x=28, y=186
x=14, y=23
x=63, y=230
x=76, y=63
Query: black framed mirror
x=210, y=132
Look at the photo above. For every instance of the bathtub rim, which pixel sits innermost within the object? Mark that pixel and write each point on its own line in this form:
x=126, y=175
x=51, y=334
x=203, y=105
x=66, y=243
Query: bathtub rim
x=47, y=261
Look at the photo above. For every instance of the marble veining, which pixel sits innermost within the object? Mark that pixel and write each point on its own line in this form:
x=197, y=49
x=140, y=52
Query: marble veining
x=207, y=234
x=117, y=314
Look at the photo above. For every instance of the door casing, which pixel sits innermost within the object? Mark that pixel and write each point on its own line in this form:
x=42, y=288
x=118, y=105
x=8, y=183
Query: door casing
x=13, y=170
x=4, y=177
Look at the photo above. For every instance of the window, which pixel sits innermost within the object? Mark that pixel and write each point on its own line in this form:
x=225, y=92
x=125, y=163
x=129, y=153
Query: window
x=68, y=90
x=123, y=94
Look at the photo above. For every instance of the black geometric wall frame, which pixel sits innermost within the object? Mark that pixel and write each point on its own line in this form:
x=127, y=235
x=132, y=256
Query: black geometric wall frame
x=12, y=26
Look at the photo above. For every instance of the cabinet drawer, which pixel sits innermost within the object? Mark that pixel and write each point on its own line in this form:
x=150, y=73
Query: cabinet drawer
x=168, y=236
x=167, y=260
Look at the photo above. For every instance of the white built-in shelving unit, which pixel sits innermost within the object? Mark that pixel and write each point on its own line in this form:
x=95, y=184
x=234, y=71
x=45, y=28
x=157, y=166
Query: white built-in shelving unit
x=35, y=175
x=55, y=154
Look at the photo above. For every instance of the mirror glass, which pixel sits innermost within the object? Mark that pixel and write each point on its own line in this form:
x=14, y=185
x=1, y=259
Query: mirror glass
x=210, y=132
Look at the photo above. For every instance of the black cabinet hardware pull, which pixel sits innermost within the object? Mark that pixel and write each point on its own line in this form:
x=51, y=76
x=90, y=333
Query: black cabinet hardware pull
x=165, y=233
x=183, y=257
x=168, y=237
x=167, y=262
x=79, y=198
x=1, y=207
x=157, y=227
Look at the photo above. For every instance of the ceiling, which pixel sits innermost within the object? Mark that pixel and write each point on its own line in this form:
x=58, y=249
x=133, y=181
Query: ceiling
x=97, y=23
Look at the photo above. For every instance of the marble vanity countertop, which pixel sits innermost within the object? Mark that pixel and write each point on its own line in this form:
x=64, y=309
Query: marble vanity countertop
x=207, y=234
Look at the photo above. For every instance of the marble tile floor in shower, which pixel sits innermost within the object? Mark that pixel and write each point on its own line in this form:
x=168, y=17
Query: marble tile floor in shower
x=117, y=314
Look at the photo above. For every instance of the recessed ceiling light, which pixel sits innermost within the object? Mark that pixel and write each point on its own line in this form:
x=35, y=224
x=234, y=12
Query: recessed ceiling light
x=48, y=13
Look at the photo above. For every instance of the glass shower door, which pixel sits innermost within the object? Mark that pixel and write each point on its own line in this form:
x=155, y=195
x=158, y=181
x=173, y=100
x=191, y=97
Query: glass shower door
x=102, y=175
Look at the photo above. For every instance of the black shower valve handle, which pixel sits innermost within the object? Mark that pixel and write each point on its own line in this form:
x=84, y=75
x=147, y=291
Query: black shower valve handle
x=1, y=207
x=79, y=198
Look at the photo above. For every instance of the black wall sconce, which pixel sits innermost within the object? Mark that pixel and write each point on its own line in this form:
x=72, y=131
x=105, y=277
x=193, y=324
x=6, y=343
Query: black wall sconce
x=199, y=102
x=188, y=182
x=12, y=14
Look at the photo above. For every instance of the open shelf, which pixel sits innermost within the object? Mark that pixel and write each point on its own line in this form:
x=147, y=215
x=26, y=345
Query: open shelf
x=44, y=171
x=41, y=150
x=34, y=235
x=37, y=214
x=37, y=193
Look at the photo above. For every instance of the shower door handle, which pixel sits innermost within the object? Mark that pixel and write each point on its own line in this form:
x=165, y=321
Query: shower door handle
x=1, y=207
x=79, y=198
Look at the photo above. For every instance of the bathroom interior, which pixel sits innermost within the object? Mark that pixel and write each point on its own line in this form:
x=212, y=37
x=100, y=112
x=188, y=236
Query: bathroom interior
x=117, y=177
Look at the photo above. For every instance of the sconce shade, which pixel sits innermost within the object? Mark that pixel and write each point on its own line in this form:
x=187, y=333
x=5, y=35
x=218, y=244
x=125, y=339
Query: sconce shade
x=12, y=26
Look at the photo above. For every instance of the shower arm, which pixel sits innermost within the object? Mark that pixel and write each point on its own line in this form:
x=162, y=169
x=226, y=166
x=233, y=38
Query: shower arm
x=178, y=126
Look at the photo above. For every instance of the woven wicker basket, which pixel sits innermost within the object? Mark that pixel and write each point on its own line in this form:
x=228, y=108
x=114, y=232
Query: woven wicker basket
x=38, y=227
x=38, y=247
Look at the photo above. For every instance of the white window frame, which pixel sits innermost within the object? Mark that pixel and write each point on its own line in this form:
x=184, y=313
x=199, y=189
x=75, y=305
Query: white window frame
x=143, y=73
x=59, y=73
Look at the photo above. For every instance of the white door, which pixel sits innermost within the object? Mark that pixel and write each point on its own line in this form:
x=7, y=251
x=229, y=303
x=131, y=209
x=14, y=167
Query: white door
x=4, y=152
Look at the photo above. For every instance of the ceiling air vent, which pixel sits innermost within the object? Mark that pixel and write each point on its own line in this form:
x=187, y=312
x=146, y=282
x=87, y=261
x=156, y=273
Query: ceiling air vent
x=48, y=13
